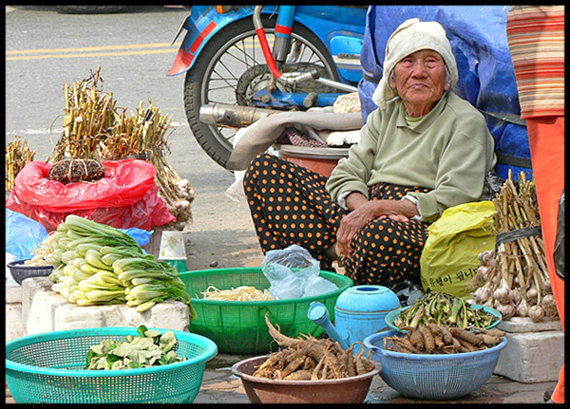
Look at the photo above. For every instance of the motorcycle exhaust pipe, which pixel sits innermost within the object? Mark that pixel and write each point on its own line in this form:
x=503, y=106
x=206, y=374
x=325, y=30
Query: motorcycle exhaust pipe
x=232, y=116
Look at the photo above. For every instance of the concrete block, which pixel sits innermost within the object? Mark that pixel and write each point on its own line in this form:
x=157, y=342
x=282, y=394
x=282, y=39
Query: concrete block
x=13, y=321
x=531, y=357
x=30, y=287
x=525, y=324
x=170, y=314
x=39, y=316
x=47, y=311
x=13, y=295
x=72, y=316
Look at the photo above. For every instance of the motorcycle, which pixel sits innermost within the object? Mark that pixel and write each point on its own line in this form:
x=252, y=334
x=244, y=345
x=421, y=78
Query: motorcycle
x=242, y=63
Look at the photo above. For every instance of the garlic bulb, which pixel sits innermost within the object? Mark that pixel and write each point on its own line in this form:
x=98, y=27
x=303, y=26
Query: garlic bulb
x=486, y=257
x=482, y=294
x=507, y=310
x=532, y=294
x=547, y=286
x=548, y=304
x=522, y=309
x=536, y=313
x=503, y=295
x=516, y=295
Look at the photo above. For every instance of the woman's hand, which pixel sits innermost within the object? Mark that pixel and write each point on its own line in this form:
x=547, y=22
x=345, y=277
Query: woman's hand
x=362, y=211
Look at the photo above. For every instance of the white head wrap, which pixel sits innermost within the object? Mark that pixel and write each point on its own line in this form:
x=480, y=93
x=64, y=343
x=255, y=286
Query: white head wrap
x=411, y=36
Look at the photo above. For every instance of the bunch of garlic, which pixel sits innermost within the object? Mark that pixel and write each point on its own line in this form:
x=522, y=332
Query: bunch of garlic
x=508, y=295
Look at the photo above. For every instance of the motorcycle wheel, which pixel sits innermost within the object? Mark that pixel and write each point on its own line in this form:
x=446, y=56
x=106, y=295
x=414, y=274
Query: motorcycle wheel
x=231, y=68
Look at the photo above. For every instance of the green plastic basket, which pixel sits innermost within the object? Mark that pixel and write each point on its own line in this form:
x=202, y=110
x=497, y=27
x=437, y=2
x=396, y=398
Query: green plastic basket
x=238, y=327
x=48, y=368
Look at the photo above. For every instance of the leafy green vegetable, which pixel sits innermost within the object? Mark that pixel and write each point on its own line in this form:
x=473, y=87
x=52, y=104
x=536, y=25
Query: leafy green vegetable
x=150, y=348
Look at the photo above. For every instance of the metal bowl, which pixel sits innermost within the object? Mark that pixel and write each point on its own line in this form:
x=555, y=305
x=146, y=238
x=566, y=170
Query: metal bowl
x=262, y=390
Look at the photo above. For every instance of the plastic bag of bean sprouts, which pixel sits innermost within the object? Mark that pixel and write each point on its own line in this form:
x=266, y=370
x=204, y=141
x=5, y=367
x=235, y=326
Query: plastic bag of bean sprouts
x=294, y=273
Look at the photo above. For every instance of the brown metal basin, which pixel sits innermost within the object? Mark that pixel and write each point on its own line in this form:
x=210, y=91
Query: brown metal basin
x=262, y=390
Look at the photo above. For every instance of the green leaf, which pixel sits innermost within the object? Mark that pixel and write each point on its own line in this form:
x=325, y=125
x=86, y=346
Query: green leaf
x=151, y=333
x=118, y=364
x=167, y=341
x=141, y=330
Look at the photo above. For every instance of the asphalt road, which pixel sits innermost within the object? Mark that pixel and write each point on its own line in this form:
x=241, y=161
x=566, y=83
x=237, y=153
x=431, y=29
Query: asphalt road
x=45, y=50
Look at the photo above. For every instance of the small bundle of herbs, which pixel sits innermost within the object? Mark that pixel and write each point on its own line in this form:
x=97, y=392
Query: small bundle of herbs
x=150, y=348
x=18, y=155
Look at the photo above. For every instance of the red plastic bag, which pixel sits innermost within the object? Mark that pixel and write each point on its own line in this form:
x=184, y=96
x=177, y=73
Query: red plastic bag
x=126, y=197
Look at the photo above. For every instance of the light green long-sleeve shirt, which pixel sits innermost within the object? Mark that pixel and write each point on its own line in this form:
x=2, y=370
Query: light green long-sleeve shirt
x=450, y=150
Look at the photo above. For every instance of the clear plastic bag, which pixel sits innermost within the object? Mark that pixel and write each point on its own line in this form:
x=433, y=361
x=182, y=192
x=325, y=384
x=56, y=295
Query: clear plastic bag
x=294, y=273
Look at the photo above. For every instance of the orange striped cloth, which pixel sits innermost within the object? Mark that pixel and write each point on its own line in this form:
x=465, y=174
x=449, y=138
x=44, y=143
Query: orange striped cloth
x=536, y=41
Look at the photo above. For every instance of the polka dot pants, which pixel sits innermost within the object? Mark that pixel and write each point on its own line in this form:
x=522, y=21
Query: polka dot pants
x=289, y=204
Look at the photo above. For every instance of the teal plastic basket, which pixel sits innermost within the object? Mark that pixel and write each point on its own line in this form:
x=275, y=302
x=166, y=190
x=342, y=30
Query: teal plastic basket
x=433, y=376
x=48, y=368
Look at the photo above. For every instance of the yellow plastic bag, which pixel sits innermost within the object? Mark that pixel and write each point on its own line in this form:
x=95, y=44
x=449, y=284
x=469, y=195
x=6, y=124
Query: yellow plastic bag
x=449, y=259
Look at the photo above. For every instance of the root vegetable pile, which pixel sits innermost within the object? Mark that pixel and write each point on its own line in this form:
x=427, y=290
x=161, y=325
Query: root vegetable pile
x=96, y=128
x=436, y=339
x=18, y=154
x=309, y=358
x=443, y=309
x=514, y=280
x=77, y=170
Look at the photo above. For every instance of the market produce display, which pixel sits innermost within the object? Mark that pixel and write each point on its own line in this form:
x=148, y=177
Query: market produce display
x=241, y=293
x=514, y=278
x=41, y=251
x=309, y=358
x=95, y=264
x=443, y=309
x=149, y=348
x=18, y=154
x=96, y=128
x=441, y=339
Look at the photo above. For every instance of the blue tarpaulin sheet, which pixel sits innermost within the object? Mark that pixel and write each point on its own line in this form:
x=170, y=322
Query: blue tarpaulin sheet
x=478, y=36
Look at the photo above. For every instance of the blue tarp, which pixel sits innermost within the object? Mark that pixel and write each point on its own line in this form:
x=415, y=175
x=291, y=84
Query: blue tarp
x=478, y=37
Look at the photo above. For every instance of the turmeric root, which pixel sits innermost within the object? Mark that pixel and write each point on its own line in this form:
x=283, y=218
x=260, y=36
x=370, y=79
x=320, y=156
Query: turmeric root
x=465, y=335
x=428, y=338
x=442, y=340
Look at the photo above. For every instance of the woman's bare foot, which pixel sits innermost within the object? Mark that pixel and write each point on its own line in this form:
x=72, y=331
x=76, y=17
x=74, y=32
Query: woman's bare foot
x=331, y=253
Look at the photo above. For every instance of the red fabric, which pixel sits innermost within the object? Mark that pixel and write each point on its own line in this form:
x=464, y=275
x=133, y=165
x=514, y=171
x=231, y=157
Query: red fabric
x=126, y=197
x=546, y=140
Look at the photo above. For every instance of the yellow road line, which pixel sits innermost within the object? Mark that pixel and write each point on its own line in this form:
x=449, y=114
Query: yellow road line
x=80, y=52
x=88, y=51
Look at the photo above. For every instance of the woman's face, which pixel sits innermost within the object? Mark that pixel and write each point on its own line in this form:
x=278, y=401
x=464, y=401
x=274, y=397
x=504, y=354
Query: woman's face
x=420, y=81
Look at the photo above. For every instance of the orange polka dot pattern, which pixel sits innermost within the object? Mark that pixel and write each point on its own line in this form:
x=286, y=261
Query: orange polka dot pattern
x=289, y=204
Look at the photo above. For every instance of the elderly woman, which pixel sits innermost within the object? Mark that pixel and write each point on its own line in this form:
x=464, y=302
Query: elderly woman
x=422, y=151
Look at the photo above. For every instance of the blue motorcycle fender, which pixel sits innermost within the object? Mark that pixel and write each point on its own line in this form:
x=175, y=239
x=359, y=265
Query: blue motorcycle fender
x=345, y=50
x=202, y=25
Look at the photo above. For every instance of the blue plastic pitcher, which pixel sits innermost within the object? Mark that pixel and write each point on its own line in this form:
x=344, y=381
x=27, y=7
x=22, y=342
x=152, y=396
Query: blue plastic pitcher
x=361, y=311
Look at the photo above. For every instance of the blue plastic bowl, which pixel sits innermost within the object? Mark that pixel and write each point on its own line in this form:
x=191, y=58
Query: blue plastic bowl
x=433, y=377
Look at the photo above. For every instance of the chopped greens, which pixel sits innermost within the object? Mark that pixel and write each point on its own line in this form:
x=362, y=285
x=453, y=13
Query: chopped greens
x=150, y=348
